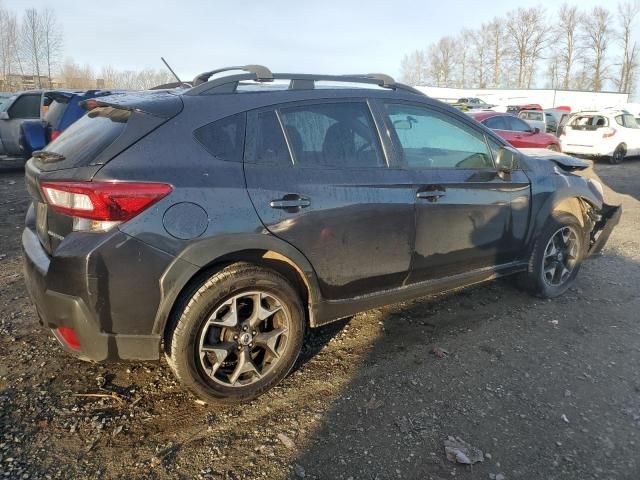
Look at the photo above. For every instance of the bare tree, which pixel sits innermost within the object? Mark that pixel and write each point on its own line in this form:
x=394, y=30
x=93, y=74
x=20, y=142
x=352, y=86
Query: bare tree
x=627, y=13
x=414, y=68
x=51, y=37
x=596, y=32
x=442, y=61
x=9, y=60
x=463, y=49
x=72, y=75
x=567, y=41
x=526, y=31
x=496, y=38
x=481, y=57
x=31, y=43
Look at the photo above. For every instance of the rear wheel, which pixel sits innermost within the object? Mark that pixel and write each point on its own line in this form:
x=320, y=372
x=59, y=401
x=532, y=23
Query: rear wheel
x=237, y=336
x=618, y=155
x=556, y=257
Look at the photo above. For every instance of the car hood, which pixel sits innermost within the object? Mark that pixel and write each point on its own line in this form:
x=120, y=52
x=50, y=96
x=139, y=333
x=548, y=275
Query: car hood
x=563, y=160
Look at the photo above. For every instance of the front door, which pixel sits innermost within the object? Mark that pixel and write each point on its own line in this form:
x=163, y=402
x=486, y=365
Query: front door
x=25, y=107
x=464, y=218
x=319, y=179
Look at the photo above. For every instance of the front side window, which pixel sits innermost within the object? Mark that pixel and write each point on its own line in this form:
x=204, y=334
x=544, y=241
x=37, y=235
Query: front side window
x=27, y=106
x=332, y=135
x=496, y=123
x=431, y=139
x=517, y=125
x=224, y=138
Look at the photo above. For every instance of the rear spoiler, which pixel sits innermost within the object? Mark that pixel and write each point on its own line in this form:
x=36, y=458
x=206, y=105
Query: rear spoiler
x=158, y=103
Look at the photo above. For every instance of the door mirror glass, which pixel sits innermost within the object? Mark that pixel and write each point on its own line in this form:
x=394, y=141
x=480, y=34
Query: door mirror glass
x=506, y=159
x=4, y=116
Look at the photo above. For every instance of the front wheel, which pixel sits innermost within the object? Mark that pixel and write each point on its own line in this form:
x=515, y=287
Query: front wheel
x=556, y=257
x=237, y=335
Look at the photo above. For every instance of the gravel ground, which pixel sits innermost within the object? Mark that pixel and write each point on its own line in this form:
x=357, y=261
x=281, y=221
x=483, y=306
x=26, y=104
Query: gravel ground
x=546, y=389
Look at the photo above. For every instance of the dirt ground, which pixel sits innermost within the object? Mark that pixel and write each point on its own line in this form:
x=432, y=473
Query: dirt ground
x=546, y=389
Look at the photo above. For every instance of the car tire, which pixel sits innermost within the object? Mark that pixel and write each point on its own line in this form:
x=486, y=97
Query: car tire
x=206, y=351
x=545, y=276
x=618, y=155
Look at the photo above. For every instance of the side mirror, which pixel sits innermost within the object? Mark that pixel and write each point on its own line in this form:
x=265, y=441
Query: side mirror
x=4, y=116
x=506, y=160
x=535, y=130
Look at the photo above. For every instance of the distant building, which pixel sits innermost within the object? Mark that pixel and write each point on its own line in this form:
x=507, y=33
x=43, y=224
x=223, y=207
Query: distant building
x=17, y=82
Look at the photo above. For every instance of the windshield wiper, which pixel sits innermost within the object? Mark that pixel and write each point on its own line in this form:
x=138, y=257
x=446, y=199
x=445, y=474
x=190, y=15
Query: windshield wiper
x=48, y=156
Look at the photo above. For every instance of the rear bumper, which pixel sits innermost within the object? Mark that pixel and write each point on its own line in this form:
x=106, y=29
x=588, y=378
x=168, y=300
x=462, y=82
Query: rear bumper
x=64, y=300
x=609, y=218
x=587, y=150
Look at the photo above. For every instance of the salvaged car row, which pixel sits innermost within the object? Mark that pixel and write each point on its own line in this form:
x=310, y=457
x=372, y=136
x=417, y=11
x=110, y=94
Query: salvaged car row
x=216, y=222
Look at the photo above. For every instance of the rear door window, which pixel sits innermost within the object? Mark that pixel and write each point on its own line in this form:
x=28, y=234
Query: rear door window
x=332, y=135
x=266, y=144
x=26, y=106
x=224, y=138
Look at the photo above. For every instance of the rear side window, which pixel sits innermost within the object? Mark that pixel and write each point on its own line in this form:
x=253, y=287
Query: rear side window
x=224, y=138
x=496, y=123
x=26, y=106
x=92, y=134
x=332, y=135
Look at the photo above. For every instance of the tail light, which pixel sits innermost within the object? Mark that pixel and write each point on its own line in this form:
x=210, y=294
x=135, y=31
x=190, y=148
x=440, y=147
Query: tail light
x=55, y=134
x=609, y=133
x=99, y=206
x=69, y=336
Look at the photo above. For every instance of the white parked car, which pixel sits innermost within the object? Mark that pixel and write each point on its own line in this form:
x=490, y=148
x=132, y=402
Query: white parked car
x=610, y=134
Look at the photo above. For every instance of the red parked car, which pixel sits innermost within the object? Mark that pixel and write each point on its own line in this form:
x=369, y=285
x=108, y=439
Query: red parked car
x=515, y=131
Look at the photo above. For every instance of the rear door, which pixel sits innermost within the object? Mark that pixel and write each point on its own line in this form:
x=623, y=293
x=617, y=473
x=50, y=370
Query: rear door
x=319, y=179
x=464, y=215
x=26, y=107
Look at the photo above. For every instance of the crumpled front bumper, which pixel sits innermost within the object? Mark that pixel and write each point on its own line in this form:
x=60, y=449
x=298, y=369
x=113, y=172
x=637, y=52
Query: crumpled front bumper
x=609, y=216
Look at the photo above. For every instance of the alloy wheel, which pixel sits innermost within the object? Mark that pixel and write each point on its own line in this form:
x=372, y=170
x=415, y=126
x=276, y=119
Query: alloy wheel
x=244, y=338
x=560, y=256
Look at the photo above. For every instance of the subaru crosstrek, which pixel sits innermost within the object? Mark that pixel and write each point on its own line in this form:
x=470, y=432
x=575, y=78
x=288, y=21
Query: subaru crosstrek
x=216, y=223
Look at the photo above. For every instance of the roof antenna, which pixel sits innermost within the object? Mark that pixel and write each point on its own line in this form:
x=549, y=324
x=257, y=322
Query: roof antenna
x=172, y=72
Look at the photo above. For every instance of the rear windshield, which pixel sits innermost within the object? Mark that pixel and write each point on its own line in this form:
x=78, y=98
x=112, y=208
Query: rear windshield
x=589, y=122
x=56, y=110
x=92, y=134
x=531, y=116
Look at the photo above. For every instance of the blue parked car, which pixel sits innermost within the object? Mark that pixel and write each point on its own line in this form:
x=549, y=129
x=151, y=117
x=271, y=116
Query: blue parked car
x=62, y=109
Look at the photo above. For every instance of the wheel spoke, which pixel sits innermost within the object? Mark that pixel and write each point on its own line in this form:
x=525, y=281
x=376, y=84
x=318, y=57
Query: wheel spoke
x=269, y=340
x=259, y=313
x=221, y=352
x=229, y=319
x=245, y=365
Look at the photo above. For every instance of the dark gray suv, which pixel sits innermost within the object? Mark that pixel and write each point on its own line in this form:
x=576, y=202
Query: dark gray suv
x=217, y=222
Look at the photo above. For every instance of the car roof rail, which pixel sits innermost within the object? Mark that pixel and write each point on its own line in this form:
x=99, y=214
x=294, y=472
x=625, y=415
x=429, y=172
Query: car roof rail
x=297, y=81
x=260, y=72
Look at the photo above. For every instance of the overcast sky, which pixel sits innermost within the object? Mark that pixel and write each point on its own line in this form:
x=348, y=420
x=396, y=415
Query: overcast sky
x=328, y=36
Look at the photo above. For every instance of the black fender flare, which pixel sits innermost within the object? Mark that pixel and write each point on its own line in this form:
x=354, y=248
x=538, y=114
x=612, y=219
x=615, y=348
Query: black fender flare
x=200, y=255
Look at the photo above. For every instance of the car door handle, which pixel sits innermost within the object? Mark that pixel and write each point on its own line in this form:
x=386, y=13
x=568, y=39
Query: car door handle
x=290, y=202
x=431, y=195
